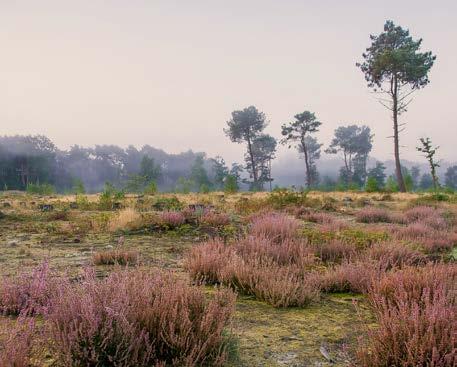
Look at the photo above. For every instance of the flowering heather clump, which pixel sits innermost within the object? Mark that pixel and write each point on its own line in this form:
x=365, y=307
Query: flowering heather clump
x=349, y=277
x=442, y=243
x=171, y=219
x=289, y=251
x=214, y=219
x=394, y=254
x=205, y=261
x=416, y=311
x=115, y=257
x=280, y=286
x=135, y=318
x=418, y=213
x=373, y=215
x=278, y=273
x=16, y=350
x=412, y=231
x=319, y=217
x=276, y=226
x=335, y=251
x=431, y=240
x=26, y=294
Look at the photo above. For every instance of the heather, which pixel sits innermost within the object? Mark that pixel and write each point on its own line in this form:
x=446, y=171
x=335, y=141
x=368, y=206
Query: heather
x=153, y=281
x=131, y=318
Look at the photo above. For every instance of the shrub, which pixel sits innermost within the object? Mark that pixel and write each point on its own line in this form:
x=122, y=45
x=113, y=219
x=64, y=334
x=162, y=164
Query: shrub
x=278, y=273
x=27, y=294
x=150, y=189
x=349, y=277
x=394, y=254
x=125, y=219
x=417, y=317
x=214, y=219
x=134, y=318
x=373, y=215
x=171, y=220
x=206, y=260
x=319, y=217
x=40, y=189
x=16, y=350
x=280, y=286
x=115, y=257
x=280, y=198
x=167, y=203
x=276, y=226
x=335, y=251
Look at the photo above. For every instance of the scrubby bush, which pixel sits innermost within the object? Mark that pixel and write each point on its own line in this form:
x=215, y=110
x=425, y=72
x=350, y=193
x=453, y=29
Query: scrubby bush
x=394, y=254
x=373, y=215
x=28, y=293
x=335, y=251
x=171, y=219
x=276, y=226
x=167, y=204
x=206, y=260
x=213, y=219
x=417, y=319
x=280, y=286
x=115, y=257
x=134, y=318
x=349, y=277
x=16, y=350
x=280, y=198
x=40, y=189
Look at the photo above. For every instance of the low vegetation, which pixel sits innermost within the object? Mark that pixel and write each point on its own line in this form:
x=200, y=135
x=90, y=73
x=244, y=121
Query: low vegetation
x=161, y=286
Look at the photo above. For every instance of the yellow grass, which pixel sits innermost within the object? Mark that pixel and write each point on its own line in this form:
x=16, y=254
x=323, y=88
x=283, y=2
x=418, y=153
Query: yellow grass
x=127, y=218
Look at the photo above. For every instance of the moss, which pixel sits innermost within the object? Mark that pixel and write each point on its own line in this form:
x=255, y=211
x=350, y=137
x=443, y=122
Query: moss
x=293, y=336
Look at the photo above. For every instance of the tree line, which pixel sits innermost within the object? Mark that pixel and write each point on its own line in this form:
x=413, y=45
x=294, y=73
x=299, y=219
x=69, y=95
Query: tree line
x=394, y=68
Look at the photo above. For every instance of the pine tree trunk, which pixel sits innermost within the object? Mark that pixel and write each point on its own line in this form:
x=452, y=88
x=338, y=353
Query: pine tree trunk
x=399, y=174
x=253, y=167
x=308, y=170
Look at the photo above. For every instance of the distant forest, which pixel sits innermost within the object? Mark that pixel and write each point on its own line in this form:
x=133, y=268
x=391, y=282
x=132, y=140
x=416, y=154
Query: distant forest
x=28, y=162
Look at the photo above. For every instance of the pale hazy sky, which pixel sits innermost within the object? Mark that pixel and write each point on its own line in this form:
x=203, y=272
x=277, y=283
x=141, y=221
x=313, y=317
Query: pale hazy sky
x=168, y=73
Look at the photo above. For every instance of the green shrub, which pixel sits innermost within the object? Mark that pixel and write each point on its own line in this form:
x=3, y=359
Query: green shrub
x=280, y=198
x=40, y=189
x=151, y=188
x=170, y=204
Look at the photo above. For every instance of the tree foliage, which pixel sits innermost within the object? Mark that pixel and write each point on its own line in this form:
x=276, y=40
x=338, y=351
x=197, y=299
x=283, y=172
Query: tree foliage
x=298, y=132
x=394, y=66
x=429, y=153
x=354, y=143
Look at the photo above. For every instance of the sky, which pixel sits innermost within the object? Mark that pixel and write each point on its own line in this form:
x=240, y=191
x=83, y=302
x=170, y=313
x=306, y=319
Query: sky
x=169, y=73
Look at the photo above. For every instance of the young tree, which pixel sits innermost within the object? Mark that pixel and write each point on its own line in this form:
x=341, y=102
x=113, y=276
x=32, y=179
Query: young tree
x=264, y=148
x=394, y=66
x=426, y=181
x=355, y=143
x=415, y=175
x=220, y=170
x=429, y=153
x=149, y=170
x=451, y=177
x=377, y=173
x=246, y=126
x=298, y=132
x=198, y=174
